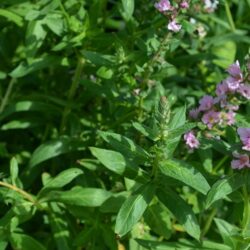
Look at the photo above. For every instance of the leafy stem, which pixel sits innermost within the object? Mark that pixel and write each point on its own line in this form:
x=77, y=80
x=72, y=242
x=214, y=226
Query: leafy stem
x=7, y=94
x=25, y=195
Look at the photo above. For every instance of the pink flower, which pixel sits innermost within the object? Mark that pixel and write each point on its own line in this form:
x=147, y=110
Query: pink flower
x=191, y=140
x=244, y=90
x=231, y=107
x=235, y=78
x=206, y=103
x=243, y=161
x=232, y=83
x=175, y=27
x=244, y=134
x=184, y=4
x=194, y=113
x=221, y=89
x=163, y=5
x=229, y=118
x=234, y=70
x=210, y=118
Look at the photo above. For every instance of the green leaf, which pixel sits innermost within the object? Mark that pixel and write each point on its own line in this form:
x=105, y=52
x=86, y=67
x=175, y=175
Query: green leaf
x=185, y=173
x=54, y=148
x=133, y=209
x=158, y=219
x=35, y=35
x=61, y=179
x=97, y=58
x=26, y=106
x=12, y=17
x=181, y=210
x=117, y=163
x=125, y=145
x=225, y=54
x=127, y=9
x=59, y=227
x=79, y=196
x=179, y=118
x=224, y=187
x=13, y=170
x=227, y=231
x=175, y=125
x=24, y=69
x=22, y=241
x=146, y=131
x=173, y=133
x=47, y=151
x=185, y=245
x=105, y=73
x=114, y=203
x=23, y=123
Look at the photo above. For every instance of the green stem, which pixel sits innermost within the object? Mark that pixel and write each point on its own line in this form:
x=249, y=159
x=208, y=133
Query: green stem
x=64, y=13
x=229, y=16
x=7, y=95
x=72, y=91
x=25, y=195
x=246, y=214
x=208, y=223
x=220, y=163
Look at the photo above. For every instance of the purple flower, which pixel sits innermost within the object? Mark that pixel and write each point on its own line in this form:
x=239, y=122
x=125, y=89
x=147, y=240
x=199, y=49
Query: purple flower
x=235, y=78
x=210, y=5
x=194, y=113
x=191, y=140
x=241, y=162
x=210, y=118
x=206, y=103
x=163, y=5
x=230, y=118
x=234, y=70
x=175, y=27
x=244, y=90
x=222, y=89
x=232, y=83
x=184, y=4
x=231, y=107
x=244, y=134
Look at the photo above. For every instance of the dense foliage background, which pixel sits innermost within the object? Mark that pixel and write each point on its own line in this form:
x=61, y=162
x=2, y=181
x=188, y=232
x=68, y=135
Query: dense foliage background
x=93, y=105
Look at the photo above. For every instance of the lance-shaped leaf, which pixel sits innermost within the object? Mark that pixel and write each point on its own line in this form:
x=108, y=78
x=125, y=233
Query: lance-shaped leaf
x=224, y=187
x=133, y=209
x=125, y=145
x=61, y=179
x=79, y=196
x=183, y=245
x=22, y=241
x=181, y=210
x=117, y=163
x=185, y=173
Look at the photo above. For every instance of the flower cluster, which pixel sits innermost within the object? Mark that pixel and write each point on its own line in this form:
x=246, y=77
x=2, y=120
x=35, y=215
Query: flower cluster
x=217, y=112
x=210, y=5
x=172, y=11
